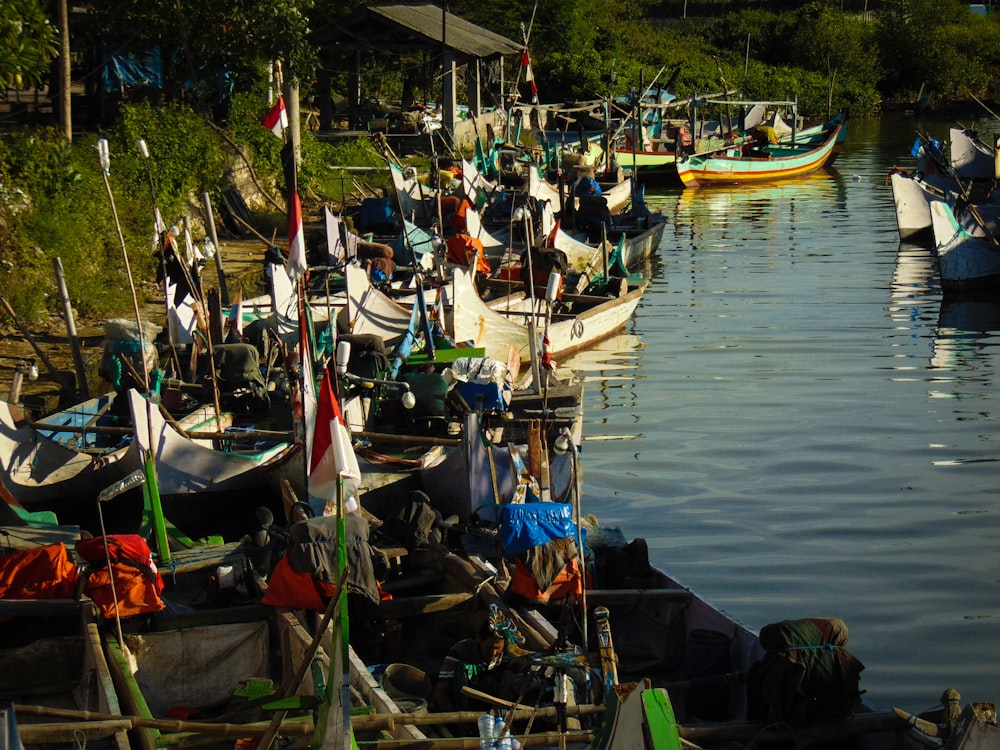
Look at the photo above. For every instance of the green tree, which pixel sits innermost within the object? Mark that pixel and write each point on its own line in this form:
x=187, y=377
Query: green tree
x=201, y=39
x=28, y=42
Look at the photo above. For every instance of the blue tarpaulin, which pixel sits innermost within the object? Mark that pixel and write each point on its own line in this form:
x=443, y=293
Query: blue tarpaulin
x=132, y=70
x=527, y=525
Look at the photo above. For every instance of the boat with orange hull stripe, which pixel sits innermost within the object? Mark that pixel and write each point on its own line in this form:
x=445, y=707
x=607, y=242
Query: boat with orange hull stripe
x=747, y=162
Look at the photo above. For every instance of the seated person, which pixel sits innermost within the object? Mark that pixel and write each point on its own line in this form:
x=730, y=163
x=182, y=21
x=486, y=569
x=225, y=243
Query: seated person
x=476, y=662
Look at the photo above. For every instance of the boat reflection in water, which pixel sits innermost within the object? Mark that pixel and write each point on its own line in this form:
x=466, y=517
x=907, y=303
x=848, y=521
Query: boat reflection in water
x=608, y=371
x=752, y=207
x=968, y=326
x=915, y=289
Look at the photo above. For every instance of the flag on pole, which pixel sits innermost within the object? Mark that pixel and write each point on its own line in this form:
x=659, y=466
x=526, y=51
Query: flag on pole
x=332, y=453
x=529, y=76
x=297, y=265
x=277, y=119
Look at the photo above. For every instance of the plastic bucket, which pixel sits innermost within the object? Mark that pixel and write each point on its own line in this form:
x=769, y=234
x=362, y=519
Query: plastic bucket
x=707, y=655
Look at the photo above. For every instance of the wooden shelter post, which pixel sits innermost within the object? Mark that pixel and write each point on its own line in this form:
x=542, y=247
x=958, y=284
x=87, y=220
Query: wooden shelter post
x=449, y=98
x=475, y=95
x=354, y=92
x=324, y=94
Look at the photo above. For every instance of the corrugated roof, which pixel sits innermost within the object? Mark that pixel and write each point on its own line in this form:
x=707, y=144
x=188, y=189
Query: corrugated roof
x=459, y=34
x=399, y=27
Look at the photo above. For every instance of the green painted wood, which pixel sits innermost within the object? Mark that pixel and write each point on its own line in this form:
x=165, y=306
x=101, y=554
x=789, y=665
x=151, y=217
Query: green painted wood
x=660, y=720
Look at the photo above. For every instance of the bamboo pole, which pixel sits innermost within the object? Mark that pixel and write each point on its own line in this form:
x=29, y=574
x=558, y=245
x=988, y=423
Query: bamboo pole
x=37, y=734
x=541, y=739
x=214, y=236
x=297, y=727
x=74, y=340
x=332, y=613
x=108, y=430
x=94, y=724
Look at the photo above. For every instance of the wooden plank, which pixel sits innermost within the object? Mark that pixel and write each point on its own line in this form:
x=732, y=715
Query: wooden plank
x=412, y=606
x=660, y=720
x=200, y=557
x=29, y=537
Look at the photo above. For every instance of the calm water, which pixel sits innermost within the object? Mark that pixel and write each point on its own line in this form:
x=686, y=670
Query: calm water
x=800, y=426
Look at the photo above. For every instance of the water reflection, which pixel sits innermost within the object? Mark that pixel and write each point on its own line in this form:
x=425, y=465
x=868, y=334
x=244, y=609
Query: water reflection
x=915, y=274
x=608, y=370
x=915, y=286
x=734, y=211
x=968, y=328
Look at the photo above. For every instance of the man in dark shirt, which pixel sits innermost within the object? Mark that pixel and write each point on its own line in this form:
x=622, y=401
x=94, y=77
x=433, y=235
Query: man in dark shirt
x=477, y=662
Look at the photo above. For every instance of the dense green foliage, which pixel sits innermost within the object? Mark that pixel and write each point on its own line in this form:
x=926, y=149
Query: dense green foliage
x=54, y=202
x=27, y=42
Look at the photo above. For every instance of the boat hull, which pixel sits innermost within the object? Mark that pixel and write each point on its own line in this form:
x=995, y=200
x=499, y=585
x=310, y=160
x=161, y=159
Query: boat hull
x=732, y=167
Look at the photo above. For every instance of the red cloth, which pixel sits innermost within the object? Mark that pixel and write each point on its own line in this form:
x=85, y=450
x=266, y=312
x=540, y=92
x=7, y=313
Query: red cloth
x=288, y=588
x=40, y=573
x=463, y=249
x=136, y=593
x=567, y=583
x=137, y=582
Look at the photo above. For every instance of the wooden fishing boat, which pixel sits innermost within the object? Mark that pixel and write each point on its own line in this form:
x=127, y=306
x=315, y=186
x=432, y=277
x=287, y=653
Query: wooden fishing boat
x=36, y=472
x=513, y=320
x=619, y=194
x=667, y=669
x=40, y=473
x=938, y=180
x=970, y=158
x=780, y=162
x=965, y=261
x=912, y=196
x=52, y=654
x=635, y=240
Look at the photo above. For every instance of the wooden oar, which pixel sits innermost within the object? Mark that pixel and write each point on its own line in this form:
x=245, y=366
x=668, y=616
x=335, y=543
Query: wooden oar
x=927, y=727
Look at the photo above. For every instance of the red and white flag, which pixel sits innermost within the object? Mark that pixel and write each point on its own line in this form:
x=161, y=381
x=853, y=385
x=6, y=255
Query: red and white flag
x=529, y=76
x=277, y=119
x=332, y=455
x=297, y=265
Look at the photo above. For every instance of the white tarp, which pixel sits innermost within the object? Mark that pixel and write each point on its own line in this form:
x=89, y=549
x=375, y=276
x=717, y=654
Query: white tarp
x=198, y=666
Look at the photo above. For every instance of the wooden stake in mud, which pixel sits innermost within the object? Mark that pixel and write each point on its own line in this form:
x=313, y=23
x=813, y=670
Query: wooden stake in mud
x=214, y=236
x=74, y=340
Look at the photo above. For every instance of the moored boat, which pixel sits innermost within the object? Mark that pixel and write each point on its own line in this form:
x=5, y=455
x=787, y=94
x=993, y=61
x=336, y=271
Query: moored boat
x=966, y=261
x=743, y=164
x=513, y=320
